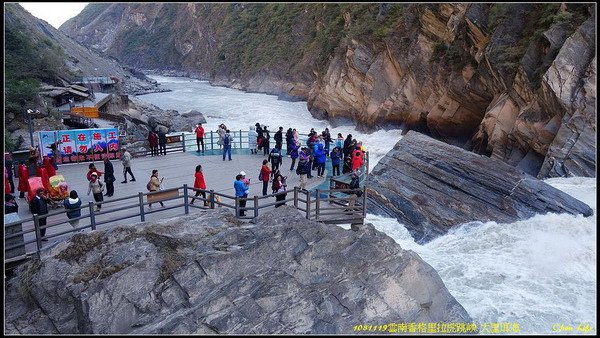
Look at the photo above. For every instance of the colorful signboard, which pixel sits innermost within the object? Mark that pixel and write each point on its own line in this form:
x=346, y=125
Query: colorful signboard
x=81, y=145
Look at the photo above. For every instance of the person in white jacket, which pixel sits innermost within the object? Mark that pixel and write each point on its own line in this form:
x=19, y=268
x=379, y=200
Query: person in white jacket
x=97, y=187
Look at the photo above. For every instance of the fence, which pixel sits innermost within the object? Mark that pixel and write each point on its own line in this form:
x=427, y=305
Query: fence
x=328, y=209
x=186, y=141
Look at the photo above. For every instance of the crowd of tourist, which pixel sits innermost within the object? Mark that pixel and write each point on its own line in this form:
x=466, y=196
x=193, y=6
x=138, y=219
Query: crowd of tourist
x=307, y=159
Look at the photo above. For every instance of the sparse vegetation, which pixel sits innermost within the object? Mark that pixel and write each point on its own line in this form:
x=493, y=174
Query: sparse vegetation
x=80, y=245
x=99, y=270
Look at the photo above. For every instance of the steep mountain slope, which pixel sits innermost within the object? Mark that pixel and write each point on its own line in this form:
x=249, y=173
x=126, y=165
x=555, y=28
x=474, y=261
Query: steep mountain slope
x=512, y=81
x=63, y=60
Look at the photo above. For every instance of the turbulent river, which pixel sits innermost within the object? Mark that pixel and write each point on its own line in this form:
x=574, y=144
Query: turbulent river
x=536, y=276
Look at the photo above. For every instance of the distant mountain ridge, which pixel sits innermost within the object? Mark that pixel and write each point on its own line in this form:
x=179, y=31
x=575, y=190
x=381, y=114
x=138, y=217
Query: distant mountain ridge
x=512, y=81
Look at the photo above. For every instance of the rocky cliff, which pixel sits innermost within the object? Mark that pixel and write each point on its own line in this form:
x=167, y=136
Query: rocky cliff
x=512, y=81
x=430, y=187
x=210, y=273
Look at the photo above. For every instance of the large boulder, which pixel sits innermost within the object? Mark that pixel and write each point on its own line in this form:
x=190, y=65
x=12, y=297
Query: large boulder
x=431, y=186
x=211, y=273
x=195, y=115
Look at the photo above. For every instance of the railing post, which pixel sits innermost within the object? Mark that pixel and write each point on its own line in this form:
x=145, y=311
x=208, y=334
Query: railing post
x=141, y=201
x=296, y=197
x=240, y=139
x=364, y=211
x=317, y=205
x=183, y=141
x=186, y=206
x=211, y=141
x=38, y=235
x=92, y=215
x=212, y=199
x=255, y=206
x=237, y=206
x=307, y=205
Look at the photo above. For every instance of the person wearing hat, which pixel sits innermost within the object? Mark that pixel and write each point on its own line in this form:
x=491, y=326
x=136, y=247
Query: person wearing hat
x=96, y=187
x=199, y=183
x=241, y=192
x=356, y=191
x=244, y=179
x=92, y=169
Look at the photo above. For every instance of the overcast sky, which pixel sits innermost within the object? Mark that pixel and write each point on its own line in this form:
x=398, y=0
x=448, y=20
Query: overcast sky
x=54, y=13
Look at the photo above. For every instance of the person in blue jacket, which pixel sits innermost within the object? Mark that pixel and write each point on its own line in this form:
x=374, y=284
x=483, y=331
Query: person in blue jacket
x=320, y=158
x=241, y=191
x=73, y=205
x=336, y=157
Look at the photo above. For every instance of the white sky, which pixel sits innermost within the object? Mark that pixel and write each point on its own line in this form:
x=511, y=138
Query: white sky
x=54, y=13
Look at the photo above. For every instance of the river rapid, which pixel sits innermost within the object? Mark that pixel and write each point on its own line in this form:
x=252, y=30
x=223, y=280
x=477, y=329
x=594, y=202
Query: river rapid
x=537, y=275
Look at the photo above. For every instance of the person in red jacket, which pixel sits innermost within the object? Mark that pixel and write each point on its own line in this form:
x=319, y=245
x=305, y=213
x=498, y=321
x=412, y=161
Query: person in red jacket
x=92, y=169
x=265, y=173
x=153, y=141
x=199, y=137
x=42, y=173
x=49, y=166
x=6, y=182
x=199, y=183
x=23, y=180
x=357, y=159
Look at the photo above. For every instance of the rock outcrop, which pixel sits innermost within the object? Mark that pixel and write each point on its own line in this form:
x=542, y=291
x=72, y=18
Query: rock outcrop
x=431, y=186
x=211, y=273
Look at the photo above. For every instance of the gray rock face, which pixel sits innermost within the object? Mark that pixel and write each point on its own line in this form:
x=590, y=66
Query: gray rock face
x=572, y=80
x=431, y=186
x=210, y=273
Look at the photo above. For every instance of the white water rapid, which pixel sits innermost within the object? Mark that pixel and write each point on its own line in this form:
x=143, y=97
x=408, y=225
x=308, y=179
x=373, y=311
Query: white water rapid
x=538, y=273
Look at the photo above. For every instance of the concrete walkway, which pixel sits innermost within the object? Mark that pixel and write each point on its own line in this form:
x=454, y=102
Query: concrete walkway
x=176, y=168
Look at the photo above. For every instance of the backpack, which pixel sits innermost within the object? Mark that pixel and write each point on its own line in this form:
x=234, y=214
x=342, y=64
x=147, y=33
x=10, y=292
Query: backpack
x=148, y=186
x=276, y=157
x=226, y=140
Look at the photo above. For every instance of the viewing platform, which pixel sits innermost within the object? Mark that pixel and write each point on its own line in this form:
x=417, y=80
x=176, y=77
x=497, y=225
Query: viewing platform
x=130, y=202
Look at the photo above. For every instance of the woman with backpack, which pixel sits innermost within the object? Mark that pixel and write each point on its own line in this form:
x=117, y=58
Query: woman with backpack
x=302, y=169
x=96, y=187
x=154, y=185
x=265, y=174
